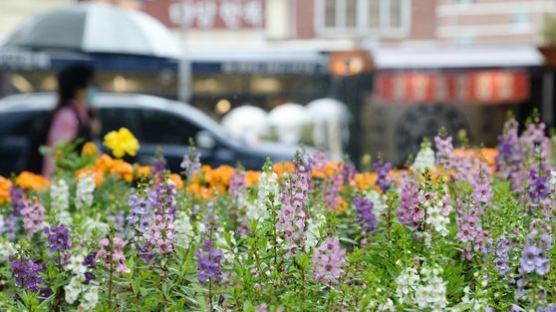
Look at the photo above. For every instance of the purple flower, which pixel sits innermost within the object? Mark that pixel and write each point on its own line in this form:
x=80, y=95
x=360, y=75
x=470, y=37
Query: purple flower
x=294, y=197
x=332, y=191
x=348, y=172
x=139, y=214
x=159, y=165
x=538, y=184
x=27, y=273
x=33, y=217
x=118, y=219
x=444, y=150
x=17, y=197
x=409, y=211
x=237, y=183
x=191, y=163
x=529, y=257
x=366, y=217
x=382, y=169
x=317, y=161
x=328, y=259
x=209, y=267
x=502, y=256
x=58, y=238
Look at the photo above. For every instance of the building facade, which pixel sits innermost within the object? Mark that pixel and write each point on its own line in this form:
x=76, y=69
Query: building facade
x=492, y=21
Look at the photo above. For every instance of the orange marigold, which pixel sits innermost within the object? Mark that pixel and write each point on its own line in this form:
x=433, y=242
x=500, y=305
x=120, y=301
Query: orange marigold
x=283, y=167
x=252, y=177
x=143, y=171
x=5, y=186
x=340, y=206
x=31, y=181
x=176, y=179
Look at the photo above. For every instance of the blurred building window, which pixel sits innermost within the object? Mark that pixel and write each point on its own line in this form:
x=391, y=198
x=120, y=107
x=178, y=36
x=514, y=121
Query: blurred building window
x=395, y=15
x=330, y=13
x=351, y=13
x=388, y=18
x=373, y=16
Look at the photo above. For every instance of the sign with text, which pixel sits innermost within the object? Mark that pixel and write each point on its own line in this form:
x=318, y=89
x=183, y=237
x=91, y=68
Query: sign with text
x=209, y=14
x=200, y=14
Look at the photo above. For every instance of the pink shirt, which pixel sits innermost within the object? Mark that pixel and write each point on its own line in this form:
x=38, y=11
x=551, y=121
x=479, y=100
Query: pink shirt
x=64, y=128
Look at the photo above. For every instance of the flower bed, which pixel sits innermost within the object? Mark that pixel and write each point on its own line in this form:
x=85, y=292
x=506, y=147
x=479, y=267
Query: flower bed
x=460, y=230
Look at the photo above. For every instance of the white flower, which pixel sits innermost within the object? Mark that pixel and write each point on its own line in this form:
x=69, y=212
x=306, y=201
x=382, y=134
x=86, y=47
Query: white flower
x=379, y=203
x=73, y=289
x=6, y=250
x=84, y=192
x=89, y=298
x=2, y=224
x=59, y=201
x=387, y=306
x=91, y=226
x=437, y=215
x=476, y=304
x=312, y=234
x=406, y=283
x=268, y=184
x=426, y=289
x=75, y=265
x=184, y=230
x=424, y=159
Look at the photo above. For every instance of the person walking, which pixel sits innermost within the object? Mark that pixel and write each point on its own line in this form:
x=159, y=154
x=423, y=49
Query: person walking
x=72, y=118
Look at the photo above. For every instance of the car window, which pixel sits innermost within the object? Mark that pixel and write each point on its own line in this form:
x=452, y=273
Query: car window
x=161, y=127
x=116, y=118
x=17, y=123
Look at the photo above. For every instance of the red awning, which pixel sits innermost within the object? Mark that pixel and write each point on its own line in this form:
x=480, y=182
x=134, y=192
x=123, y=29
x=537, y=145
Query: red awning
x=469, y=87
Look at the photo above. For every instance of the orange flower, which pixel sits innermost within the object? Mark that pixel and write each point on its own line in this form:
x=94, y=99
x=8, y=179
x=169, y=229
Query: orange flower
x=104, y=163
x=98, y=175
x=176, y=179
x=121, y=169
x=283, y=167
x=31, y=181
x=5, y=186
x=223, y=175
x=143, y=171
x=252, y=177
x=365, y=180
x=490, y=155
x=89, y=149
x=340, y=206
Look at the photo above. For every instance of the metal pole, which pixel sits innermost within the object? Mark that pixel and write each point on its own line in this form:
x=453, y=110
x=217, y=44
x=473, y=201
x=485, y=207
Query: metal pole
x=184, y=81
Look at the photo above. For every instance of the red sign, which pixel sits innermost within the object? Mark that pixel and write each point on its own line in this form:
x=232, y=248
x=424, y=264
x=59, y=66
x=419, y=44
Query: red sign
x=200, y=14
x=208, y=14
x=478, y=87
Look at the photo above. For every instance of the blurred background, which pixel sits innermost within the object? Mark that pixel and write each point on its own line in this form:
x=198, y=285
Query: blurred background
x=345, y=76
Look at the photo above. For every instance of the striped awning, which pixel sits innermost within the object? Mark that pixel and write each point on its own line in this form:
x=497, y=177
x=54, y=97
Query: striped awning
x=469, y=87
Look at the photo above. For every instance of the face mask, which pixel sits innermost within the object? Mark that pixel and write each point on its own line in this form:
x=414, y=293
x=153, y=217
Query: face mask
x=91, y=95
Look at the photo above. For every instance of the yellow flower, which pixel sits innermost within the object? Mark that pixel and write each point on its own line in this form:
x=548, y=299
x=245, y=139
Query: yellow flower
x=121, y=142
x=89, y=149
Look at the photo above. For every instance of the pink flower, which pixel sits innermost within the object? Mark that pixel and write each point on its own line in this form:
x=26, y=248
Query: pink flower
x=33, y=217
x=111, y=252
x=328, y=258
